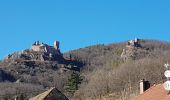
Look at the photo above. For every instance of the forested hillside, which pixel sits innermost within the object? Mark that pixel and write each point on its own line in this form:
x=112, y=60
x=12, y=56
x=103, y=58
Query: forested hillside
x=94, y=72
x=107, y=75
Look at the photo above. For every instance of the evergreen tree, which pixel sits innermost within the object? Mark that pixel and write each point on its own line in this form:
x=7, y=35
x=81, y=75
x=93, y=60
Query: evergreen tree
x=73, y=82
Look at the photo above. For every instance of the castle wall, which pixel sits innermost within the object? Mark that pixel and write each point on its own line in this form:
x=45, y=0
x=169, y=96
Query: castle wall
x=36, y=47
x=51, y=49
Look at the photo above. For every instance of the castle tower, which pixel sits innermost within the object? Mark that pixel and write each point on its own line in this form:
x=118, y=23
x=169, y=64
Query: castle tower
x=136, y=40
x=56, y=44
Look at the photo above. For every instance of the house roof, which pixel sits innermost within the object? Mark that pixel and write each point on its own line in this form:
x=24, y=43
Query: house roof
x=53, y=91
x=156, y=92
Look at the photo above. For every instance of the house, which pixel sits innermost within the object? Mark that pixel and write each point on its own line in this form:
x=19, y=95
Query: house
x=51, y=94
x=155, y=92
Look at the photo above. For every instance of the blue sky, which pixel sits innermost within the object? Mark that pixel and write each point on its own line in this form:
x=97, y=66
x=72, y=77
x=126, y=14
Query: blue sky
x=80, y=23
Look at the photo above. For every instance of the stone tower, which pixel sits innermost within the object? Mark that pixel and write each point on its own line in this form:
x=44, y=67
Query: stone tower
x=56, y=44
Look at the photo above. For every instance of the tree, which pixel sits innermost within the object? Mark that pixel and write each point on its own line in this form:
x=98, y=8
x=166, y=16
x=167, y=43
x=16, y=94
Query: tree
x=73, y=82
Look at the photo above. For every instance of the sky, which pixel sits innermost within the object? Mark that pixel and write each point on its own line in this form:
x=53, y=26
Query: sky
x=80, y=23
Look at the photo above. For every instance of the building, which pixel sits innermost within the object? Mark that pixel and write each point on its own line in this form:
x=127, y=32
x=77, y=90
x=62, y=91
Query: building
x=133, y=43
x=41, y=47
x=51, y=94
x=155, y=92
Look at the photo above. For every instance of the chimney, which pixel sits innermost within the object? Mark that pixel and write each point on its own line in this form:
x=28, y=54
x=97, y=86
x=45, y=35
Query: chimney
x=144, y=85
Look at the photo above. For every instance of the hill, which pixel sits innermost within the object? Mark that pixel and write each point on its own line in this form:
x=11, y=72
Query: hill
x=108, y=71
x=107, y=74
x=40, y=66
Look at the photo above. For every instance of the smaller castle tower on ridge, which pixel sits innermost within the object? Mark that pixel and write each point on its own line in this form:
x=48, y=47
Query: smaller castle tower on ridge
x=134, y=43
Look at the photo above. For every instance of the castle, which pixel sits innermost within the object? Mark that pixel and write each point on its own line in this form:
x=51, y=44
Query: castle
x=133, y=43
x=41, y=47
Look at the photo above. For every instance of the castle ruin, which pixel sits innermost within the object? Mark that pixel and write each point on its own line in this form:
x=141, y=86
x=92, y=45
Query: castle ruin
x=41, y=47
x=133, y=43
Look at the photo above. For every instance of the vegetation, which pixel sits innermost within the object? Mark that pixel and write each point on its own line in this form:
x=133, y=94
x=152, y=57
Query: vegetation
x=104, y=73
x=73, y=82
x=107, y=76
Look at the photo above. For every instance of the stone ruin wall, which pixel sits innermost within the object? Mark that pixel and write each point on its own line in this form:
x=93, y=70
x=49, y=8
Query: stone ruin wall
x=36, y=47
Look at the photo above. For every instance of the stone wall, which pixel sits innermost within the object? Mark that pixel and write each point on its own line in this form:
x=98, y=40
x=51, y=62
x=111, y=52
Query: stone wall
x=36, y=47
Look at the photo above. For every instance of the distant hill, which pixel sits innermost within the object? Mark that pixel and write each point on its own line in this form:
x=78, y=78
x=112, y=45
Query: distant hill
x=106, y=69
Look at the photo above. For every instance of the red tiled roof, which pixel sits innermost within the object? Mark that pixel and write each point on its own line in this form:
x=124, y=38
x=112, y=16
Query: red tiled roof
x=156, y=92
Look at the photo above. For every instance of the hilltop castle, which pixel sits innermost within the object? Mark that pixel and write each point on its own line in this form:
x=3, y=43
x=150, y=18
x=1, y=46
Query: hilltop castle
x=133, y=43
x=41, y=47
